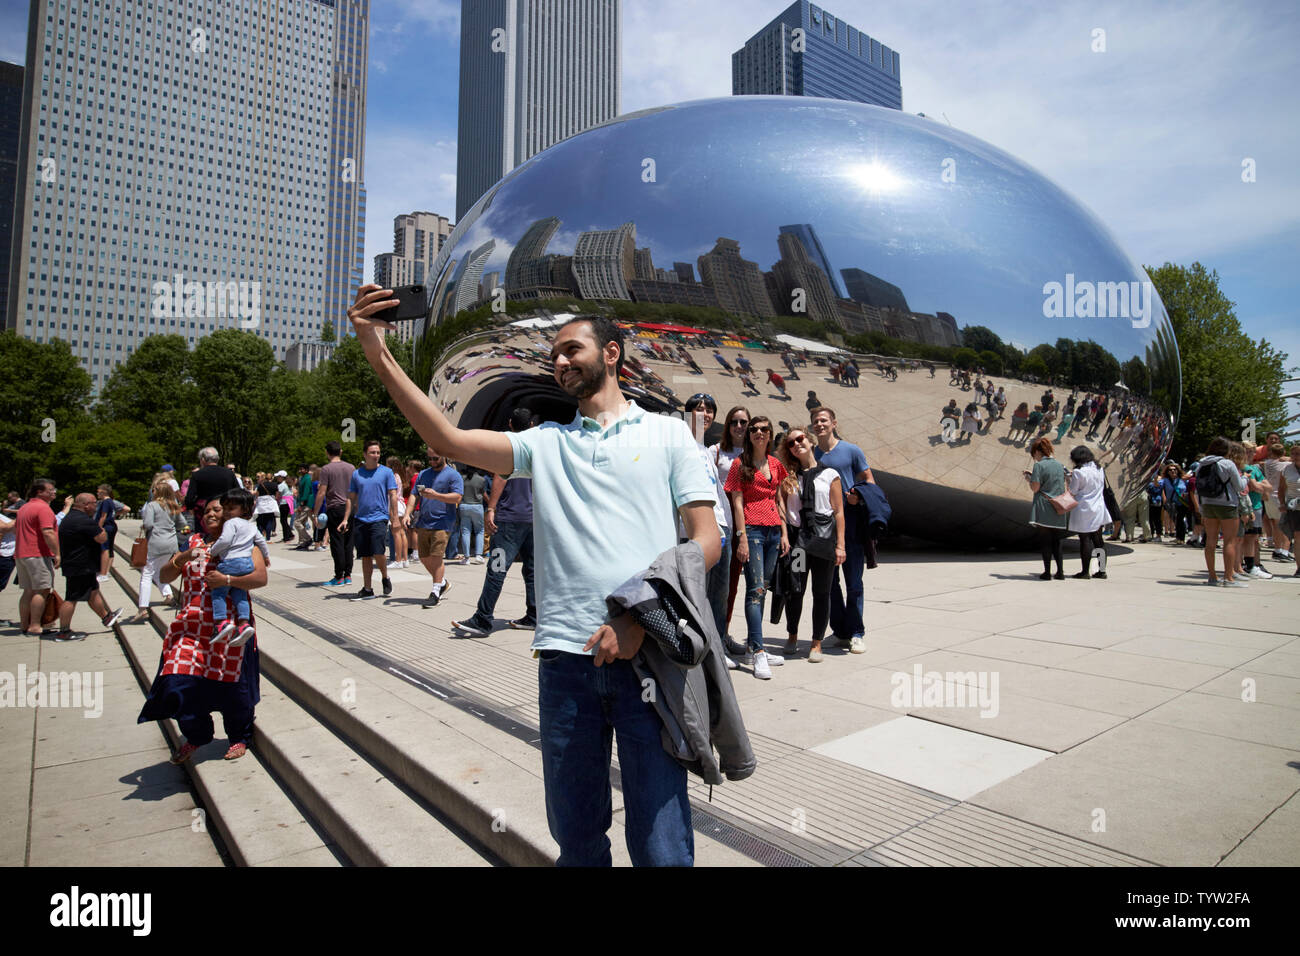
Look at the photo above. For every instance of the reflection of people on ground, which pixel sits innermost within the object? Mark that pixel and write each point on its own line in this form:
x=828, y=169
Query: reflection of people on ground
x=723, y=362
x=743, y=362
x=1000, y=402
x=1066, y=420
x=970, y=421
x=950, y=420
x=787, y=357
x=1019, y=422
x=779, y=382
x=852, y=371
x=813, y=401
x=748, y=382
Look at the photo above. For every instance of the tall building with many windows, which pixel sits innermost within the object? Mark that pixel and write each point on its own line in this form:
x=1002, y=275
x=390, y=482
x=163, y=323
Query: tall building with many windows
x=418, y=237
x=11, y=111
x=806, y=51
x=532, y=72
x=179, y=173
x=345, y=251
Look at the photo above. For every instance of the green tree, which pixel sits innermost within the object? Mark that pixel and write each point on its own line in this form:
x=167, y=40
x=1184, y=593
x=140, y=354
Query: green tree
x=328, y=332
x=43, y=393
x=154, y=388
x=992, y=362
x=981, y=339
x=1135, y=375
x=236, y=396
x=1226, y=375
x=965, y=358
x=1035, y=367
x=117, y=453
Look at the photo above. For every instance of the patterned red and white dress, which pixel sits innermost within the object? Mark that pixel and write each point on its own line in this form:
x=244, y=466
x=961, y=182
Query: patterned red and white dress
x=187, y=647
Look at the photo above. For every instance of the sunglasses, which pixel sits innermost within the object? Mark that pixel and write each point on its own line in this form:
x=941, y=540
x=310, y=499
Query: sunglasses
x=742, y=422
x=701, y=398
x=797, y=440
x=756, y=429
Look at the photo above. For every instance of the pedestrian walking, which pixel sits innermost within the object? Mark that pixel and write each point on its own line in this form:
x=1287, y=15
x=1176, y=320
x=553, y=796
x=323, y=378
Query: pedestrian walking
x=81, y=542
x=36, y=550
x=372, y=505
x=165, y=525
x=438, y=492
x=332, y=498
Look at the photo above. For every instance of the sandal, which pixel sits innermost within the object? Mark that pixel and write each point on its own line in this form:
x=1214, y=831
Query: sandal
x=184, y=754
x=236, y=751
x=791, y=648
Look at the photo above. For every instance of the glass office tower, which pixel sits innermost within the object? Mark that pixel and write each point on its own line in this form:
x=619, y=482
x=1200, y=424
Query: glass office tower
x=806, y=51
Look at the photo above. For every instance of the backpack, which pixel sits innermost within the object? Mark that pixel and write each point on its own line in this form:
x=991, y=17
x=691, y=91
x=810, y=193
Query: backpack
x=1209, y=481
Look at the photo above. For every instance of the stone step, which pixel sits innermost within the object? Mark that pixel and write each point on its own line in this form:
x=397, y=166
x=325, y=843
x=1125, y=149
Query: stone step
x=256, y=819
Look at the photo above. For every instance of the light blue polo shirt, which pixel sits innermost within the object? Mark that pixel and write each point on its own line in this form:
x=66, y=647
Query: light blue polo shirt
x=604, y=507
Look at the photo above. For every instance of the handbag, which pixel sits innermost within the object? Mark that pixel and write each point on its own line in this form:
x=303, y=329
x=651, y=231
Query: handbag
x=140, y=552
x=52, y=605
x=816, y=531
x=1064, y=502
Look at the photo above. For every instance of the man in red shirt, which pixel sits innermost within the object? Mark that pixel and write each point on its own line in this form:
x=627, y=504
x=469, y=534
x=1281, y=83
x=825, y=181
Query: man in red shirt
x=37, y=553
x=779, y=382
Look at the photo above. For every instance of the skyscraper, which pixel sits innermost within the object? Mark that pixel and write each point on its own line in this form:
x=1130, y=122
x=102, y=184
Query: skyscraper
x=812, y=245
x=806, y=51
x=738, y=283
x=872, y=290
x=532, y=72
x=801, y=283
x=202, y=157
x=418, y=237
x=11, y=110
x=603, y=262
x=346, y=228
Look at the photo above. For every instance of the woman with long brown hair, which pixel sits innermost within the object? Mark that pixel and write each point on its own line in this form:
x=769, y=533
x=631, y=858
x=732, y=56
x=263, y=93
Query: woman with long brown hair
x=754, y=484
x=813, y=499
x=724, y=453
x=397, y=550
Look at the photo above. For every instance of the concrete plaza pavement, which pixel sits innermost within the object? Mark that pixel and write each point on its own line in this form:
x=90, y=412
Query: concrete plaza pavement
x=995, y=718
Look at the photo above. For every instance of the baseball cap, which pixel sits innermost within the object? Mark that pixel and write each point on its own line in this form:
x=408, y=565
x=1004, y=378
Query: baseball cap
x=701, y=398
x=168, y=468
x=282, y=474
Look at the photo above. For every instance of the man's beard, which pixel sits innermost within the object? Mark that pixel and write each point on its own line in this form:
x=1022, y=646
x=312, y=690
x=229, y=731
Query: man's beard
x=588, y=382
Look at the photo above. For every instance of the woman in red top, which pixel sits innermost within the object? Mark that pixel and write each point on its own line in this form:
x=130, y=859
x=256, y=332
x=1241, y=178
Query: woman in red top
x=754, y=484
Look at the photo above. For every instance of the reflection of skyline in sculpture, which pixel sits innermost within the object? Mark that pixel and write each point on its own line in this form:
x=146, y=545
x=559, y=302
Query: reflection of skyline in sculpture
x=928, y=267
x=610, y=266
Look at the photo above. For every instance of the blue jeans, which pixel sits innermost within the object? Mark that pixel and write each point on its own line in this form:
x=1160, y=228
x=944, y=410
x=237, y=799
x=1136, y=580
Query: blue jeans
x=716, y=585
x=471, y=526
x=846, y=605
x=764, y=549
x=237, y=596
x=513, y=541
x=453, y=539
x=582, y=707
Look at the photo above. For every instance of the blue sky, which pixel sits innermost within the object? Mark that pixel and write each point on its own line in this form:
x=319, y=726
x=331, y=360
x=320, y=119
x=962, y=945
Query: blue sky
x=1150, y=134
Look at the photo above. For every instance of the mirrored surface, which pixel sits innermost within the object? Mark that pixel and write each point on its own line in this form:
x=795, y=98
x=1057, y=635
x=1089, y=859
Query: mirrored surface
x=862, y=254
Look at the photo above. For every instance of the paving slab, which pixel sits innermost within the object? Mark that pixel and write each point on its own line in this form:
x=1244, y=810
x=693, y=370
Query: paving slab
x=1275, y=842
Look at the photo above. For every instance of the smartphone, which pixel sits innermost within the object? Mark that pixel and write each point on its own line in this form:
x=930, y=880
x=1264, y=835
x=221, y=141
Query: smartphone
x=412, y=303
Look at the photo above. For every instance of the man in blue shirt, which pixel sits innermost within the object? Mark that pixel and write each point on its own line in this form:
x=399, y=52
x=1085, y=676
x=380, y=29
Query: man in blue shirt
x=509, y=519
x=851, y=464
x=438, y=490
x=607, y=488
x=372, y=499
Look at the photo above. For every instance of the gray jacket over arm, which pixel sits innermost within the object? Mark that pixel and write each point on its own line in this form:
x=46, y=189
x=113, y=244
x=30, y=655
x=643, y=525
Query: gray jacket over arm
x=682, y=656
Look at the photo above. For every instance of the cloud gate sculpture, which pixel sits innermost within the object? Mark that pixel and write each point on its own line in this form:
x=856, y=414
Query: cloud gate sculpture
x=852, y=232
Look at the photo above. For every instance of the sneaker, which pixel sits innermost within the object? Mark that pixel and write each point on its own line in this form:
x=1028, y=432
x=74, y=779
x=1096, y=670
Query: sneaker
x=333, y=582
x=524, y=623
x=1234, y=583
x=242, y=633
x=1282, y=555
x=1100, y=574
x=1259, y=572
x=761, y=669
x=347, y=580
x=730, y=662
x=444, y=588
x=479, y=559
x=225, y=630
x=113, y=618
x=1212, y=582
x=432, y=599
x=858, y=645
x=388, y=587
x=814, y=657
x=470, y=627
x=365, y=594
x=101, y=577
x=62, y=637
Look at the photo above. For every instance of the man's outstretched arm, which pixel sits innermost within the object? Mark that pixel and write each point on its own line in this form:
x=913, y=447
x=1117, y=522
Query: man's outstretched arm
x=479, y=447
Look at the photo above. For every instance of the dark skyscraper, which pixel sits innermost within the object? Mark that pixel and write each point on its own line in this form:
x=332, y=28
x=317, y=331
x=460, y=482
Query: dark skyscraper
x=872, y=290
x=807, y=236
x=807, y=52
x=11, y=109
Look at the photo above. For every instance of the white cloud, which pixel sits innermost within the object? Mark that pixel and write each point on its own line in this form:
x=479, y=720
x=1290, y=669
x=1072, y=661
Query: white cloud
x=405, y=172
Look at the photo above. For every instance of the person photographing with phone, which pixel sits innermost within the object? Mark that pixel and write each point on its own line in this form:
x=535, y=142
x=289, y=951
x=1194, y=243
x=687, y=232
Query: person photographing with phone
x=608, y=487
